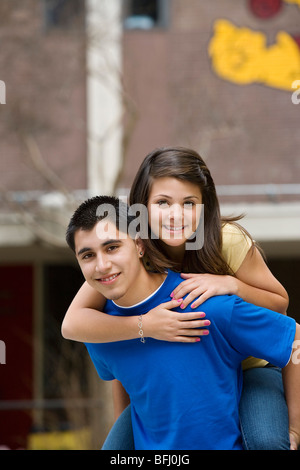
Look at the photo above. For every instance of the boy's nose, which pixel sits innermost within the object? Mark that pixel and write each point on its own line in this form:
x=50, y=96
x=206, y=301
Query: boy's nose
x=103, y=264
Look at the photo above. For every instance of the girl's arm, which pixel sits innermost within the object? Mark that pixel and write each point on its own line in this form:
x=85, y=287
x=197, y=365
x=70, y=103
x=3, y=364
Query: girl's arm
x=253, y=282
x=85, y=322
x=256, y=284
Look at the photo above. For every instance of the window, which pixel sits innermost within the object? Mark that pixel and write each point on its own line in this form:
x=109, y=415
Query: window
x=145, y=14
x=63, y=13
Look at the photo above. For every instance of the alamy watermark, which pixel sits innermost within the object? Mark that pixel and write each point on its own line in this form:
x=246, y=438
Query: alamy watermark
x=295, y=357
x=296, y=95
x=2, y=92
x=172, y=223
x=2, y=352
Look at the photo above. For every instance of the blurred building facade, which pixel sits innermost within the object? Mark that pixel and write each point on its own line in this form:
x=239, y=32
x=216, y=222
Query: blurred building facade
x=96, y=86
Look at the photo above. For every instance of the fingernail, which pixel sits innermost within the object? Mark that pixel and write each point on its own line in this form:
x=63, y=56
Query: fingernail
x=197, y=340
x=182, y=306
x=206, y=332
x=206, y=322
x=179, y=301
x=172, y=294
x=202, y=314
x=193, y=306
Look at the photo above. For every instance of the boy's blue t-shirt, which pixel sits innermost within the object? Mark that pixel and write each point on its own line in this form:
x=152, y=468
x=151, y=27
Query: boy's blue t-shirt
x=186, y=395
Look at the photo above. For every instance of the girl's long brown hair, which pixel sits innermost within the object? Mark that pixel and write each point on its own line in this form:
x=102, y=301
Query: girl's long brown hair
x=185, y=165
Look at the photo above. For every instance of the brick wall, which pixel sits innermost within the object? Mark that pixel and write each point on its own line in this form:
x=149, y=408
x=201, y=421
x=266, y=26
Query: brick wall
x=248, y=134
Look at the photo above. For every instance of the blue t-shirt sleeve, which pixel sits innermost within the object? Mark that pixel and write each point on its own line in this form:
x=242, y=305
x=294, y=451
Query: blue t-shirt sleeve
x=101, y=367
x=262, y=333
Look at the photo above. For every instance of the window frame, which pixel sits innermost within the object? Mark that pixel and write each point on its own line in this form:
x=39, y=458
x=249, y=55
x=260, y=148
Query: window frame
x=163, y=13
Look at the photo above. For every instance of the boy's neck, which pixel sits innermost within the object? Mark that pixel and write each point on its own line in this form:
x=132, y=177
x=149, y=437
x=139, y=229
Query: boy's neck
x=146, y=285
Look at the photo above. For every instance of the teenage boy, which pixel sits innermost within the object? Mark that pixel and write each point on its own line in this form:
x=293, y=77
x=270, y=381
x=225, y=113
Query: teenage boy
x=183, y=396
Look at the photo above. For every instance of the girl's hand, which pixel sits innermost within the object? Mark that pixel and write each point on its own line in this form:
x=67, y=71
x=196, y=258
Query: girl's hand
x=203, y=286
x=166, y=325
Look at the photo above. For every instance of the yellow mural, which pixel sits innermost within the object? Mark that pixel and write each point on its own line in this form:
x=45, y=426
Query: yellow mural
x=242, y=56
x=297, y=2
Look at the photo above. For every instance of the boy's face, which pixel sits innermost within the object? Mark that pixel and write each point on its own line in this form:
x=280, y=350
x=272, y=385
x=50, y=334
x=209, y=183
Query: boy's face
x=110, y=260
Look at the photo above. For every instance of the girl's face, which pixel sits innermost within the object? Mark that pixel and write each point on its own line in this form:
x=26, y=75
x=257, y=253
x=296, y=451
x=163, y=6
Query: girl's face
x=174, y=210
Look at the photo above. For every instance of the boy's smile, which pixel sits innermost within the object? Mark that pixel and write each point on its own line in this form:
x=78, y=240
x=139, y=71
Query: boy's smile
x=109, y=279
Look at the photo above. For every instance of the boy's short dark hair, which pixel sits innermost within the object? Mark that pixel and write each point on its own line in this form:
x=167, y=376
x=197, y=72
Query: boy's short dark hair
x=94, y=210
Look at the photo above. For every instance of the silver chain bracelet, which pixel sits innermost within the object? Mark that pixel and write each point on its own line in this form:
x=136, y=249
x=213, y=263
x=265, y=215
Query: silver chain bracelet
x=140, y=325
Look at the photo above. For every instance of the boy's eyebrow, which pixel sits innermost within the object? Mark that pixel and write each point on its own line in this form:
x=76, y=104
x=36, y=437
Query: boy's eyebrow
x=83, y=250
x=107, y=242
x=111, y=240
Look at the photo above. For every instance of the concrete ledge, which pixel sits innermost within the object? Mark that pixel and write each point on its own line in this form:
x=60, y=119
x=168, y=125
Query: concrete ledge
x=275, y=226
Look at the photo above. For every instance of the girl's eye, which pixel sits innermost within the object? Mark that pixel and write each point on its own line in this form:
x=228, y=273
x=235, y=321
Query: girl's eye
x=189, y=204
x=163, y=203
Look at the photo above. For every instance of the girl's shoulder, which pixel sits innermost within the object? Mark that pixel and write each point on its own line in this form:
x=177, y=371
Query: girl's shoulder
x=236, y=243
x=234, y=229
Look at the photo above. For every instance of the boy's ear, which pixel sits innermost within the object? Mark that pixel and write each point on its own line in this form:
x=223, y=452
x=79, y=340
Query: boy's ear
x=140, y=247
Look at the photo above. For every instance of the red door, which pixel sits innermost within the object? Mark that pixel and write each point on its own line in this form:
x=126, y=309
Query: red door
x=16, y=331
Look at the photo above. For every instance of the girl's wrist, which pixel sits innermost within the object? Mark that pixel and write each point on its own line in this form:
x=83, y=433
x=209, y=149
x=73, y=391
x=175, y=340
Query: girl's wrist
x=145, y=326
x=234, y=285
